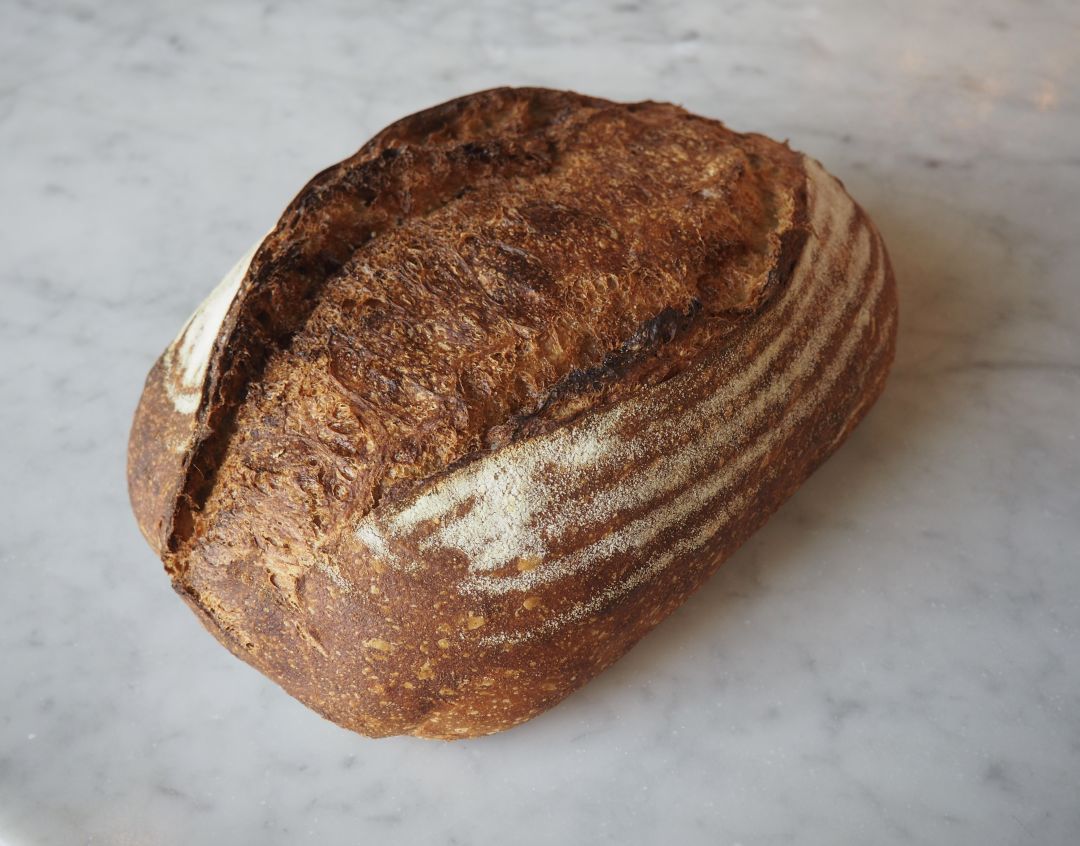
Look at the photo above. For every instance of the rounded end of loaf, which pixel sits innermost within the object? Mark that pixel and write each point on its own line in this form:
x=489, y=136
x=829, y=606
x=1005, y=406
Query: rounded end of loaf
x=156, y=460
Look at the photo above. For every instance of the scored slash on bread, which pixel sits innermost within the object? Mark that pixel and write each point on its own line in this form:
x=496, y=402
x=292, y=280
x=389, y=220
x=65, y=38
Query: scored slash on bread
x=497, y=394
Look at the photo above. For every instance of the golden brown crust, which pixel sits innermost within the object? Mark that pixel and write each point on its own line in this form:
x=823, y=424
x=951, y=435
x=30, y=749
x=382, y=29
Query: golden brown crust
x=411, y=167
x=482, y=377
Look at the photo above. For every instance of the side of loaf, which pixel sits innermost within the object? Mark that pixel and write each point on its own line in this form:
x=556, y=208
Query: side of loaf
x=497, y=394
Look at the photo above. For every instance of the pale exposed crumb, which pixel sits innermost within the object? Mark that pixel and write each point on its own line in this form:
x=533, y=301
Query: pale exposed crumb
x=188, y=357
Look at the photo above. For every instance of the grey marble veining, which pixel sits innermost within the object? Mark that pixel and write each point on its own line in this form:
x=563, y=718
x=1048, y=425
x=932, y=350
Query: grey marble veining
x=894, y=658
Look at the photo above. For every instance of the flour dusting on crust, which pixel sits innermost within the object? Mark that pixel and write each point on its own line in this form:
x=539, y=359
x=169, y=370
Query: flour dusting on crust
x=520, y=502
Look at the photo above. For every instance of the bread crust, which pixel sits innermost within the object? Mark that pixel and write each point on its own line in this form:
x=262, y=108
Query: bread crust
x=497, y=394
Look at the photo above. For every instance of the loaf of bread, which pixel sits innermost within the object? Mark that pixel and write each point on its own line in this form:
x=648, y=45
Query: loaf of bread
x=497, y=393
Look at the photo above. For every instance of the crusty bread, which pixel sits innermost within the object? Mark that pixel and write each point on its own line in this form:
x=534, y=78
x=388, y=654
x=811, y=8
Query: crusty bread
x=497, y=394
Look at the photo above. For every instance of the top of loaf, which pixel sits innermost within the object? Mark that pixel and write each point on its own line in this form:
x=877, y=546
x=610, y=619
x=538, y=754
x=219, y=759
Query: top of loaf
x=475, y=274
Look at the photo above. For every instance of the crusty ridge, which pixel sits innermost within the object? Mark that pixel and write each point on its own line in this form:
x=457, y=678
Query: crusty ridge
x=433, y=337
x=175, y=446
x=414, y=167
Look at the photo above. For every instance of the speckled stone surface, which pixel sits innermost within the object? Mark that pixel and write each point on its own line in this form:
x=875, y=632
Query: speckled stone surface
x=892, y=659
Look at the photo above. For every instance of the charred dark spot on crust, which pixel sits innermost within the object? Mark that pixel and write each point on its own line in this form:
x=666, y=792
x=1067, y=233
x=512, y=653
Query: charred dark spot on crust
x=476, y=152
x=647, y=341
x=792, y=241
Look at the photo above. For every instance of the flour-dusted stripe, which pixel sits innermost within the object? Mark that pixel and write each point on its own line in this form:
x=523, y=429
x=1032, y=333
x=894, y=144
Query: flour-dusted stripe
x=727, y=511
x=514, y=500
x=666, y=471
x=659, y=471
x=671, y=471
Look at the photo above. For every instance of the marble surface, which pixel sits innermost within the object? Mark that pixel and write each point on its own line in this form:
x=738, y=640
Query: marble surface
x=894, y=658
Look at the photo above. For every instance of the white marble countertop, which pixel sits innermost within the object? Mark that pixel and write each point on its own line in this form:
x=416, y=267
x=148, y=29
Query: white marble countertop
x=894, y=658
